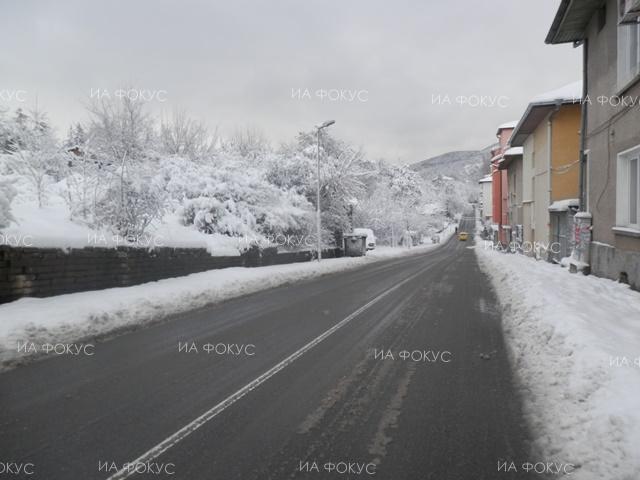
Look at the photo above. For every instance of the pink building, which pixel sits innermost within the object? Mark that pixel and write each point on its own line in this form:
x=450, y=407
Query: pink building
x=500, y=190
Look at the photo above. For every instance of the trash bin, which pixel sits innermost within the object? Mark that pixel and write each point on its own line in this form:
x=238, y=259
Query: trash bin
x=355, y=245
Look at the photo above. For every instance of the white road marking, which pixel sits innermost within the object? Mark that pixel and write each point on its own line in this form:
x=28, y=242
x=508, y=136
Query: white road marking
x=191, y=427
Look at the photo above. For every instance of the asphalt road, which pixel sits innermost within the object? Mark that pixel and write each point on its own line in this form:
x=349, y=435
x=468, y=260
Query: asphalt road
x=396, y=370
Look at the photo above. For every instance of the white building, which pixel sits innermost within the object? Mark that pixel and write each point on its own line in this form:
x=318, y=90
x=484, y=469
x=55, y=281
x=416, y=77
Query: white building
x=486, y=198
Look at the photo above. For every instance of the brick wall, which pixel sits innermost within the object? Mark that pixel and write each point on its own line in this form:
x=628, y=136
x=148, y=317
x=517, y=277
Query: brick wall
x=39, y=272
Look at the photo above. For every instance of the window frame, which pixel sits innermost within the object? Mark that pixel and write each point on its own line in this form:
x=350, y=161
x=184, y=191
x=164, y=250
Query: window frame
x=628, y=70
x=624, y=183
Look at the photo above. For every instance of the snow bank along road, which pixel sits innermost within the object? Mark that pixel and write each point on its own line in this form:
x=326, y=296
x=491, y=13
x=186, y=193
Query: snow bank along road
x=396, y=370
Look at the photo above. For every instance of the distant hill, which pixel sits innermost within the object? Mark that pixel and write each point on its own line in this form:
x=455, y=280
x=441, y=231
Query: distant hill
x=451, y=179
x=470, y=165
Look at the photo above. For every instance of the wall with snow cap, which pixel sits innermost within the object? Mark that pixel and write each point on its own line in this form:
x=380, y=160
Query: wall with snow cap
x=39, y=272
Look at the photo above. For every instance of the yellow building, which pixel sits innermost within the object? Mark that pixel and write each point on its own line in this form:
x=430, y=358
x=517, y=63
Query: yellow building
x=549, y=132
x=565, y=153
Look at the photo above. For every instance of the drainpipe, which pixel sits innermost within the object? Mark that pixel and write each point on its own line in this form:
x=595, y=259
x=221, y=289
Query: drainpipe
x=583, y=127
x=549, y=151
x=581, y=237
x=550, y=140
x=549, y=163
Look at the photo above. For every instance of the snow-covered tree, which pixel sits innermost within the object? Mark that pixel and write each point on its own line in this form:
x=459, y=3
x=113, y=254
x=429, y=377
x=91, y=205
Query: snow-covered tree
x=122, y=170
x=36, y=155
x=120, y=128
x=343, y=172
x=7, y=192
x=185, y=137
x=76, y=138
x=122, y=143
x=395, y=204
x=249, y=143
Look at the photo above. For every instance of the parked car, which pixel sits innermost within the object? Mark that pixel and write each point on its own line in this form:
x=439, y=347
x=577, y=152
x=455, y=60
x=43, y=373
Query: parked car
x=463, y=236
x=371, y=238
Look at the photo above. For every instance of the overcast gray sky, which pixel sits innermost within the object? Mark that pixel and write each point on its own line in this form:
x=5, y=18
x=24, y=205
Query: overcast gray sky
x=235, y=63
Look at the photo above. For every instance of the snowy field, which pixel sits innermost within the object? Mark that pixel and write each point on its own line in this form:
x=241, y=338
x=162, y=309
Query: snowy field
x=82, y=316
x=575, y=343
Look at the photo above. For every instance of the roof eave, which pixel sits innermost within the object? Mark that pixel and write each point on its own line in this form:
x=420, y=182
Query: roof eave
x=518, y=137
x=577, y=12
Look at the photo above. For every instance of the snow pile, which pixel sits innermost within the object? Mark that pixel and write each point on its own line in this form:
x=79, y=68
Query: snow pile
x=573, y=341
x=81, y=316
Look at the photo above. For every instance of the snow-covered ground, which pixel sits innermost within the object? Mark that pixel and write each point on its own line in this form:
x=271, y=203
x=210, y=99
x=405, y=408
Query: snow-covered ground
x=575, y=343
x=50, y=226
x=82, y=316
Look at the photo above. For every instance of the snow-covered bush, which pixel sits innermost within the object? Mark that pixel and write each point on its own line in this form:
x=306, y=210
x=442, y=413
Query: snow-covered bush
x=129, y=205
x=233, y=199
x=83, y=188
x=7, y=192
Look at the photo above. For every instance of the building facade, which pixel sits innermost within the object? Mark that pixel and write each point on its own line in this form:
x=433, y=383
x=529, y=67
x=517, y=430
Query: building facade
x=609, y=31
x=500, y=186
x=549, y=134
x=486, y=199
x=512, y=164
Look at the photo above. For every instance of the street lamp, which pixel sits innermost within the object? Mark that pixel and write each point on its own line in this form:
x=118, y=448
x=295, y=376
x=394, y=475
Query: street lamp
x=353, y=202
x=326, y=124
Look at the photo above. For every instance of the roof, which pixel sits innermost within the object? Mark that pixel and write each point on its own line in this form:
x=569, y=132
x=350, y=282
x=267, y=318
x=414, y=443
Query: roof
x=514, y=151
x=570, y=93
x=506, y=125
x=540, y=106
x=571, y=20
x=509, y=156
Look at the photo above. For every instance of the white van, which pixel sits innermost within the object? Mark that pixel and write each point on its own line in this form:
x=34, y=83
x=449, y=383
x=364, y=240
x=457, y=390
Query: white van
x=371, y=238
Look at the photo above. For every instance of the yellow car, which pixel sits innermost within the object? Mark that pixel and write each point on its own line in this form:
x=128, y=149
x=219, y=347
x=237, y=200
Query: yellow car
x=463, y=236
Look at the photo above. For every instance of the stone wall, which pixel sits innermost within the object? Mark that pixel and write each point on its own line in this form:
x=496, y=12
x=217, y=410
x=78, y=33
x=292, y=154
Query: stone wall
x=39, y=272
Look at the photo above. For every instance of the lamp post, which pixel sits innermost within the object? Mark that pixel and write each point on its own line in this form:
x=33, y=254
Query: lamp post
x=353, y=202
x=326, y=124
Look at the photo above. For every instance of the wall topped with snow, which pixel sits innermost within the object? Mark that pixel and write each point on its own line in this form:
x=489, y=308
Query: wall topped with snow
x=39, y=272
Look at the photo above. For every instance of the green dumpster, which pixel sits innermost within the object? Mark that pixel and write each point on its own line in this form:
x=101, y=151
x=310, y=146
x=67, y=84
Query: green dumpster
x=355, y=245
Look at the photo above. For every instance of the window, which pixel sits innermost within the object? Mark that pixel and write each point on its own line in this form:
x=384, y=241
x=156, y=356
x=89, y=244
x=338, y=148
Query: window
x=628, y=189
x=628, y=53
